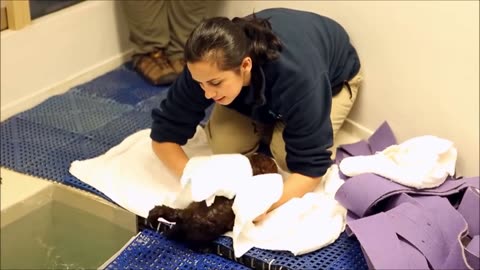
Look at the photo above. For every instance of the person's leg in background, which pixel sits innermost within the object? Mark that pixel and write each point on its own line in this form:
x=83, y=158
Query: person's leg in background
x=183, y=16
x=150, y=34
x=341, y=105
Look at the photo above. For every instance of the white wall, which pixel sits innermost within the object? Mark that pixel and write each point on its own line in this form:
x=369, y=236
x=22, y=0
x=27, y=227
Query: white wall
x=421, y=65
x=59, y=51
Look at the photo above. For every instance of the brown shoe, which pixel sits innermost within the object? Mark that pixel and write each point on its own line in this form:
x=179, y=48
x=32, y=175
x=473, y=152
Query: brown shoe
x=178, y=65
x=154, y=67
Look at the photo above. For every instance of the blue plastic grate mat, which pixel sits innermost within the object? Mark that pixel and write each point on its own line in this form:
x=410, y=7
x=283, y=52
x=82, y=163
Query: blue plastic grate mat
x=151, y=250
x=93, y=117
x=122, y=85
x=344, y=253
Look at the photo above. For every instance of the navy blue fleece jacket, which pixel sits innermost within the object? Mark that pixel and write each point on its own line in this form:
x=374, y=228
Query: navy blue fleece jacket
x=296, y=88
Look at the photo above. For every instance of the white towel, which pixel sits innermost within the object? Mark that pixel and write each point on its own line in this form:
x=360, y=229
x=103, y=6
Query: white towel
x=301, y=225
x=205, y=177
x=132, y=176
x=420, y=162
x=253, y=199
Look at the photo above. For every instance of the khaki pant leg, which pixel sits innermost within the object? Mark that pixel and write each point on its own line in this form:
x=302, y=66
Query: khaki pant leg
x=148, y=24
x=229, y=131
x=183, y=16
x=341, y=105
x=277, y=146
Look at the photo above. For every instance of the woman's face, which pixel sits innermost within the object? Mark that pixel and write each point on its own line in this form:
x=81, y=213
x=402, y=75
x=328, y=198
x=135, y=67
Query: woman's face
x=220, y=85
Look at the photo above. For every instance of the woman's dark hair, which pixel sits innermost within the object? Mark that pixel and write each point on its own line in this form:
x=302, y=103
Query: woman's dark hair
x=227, y=42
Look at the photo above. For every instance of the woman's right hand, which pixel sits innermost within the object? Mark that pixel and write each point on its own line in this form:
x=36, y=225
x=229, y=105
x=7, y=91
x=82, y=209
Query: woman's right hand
x=172, y=155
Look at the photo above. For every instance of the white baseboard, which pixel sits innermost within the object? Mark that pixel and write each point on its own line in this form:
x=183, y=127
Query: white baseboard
x=63, y=86
x=355, y=129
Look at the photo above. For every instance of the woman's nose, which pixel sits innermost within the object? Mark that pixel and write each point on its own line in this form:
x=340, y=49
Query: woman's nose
x=209, y=93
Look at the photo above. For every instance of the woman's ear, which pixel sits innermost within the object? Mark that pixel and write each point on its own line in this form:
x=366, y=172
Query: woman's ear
x=246, y=64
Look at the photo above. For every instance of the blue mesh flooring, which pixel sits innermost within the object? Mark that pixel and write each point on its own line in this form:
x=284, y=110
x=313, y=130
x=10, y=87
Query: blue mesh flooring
x=93, y=117
x=151, y=250
x=344, y=253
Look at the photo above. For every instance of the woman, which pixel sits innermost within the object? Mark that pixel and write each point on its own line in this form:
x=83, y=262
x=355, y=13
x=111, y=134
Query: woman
x=283, y=76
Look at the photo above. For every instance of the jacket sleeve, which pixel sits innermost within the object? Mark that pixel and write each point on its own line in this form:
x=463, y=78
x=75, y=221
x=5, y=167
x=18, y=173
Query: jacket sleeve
x=180, y=112
x=308, y=133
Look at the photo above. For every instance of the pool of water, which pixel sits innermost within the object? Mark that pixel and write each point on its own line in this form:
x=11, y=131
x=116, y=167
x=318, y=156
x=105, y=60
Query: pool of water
x=60, y=236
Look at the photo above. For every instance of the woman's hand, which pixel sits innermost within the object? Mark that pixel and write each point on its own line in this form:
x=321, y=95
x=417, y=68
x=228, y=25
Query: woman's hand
x=260, y=218
x=172, y=155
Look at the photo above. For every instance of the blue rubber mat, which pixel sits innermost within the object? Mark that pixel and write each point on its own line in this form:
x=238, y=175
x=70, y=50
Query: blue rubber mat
x=344, y=253
x=93, y=117
x=151, y=250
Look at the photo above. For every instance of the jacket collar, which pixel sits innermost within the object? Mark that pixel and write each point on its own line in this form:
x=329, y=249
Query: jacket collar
x=256, y=94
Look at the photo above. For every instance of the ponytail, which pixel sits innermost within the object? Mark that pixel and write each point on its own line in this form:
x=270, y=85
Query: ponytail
x=228, y=42
x=264, y=44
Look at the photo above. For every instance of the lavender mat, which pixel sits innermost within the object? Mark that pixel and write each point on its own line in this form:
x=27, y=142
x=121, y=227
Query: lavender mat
x=403, y=228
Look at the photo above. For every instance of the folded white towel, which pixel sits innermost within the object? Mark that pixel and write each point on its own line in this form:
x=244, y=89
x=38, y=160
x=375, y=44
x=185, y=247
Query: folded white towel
x=421, y=162
x=132, y=176
x=216, y=175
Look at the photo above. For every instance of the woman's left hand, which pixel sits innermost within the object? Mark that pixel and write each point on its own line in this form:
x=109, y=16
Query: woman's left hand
x=260, y=218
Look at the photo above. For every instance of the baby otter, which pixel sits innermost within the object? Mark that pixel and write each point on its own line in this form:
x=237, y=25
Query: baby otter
x=199, y=224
